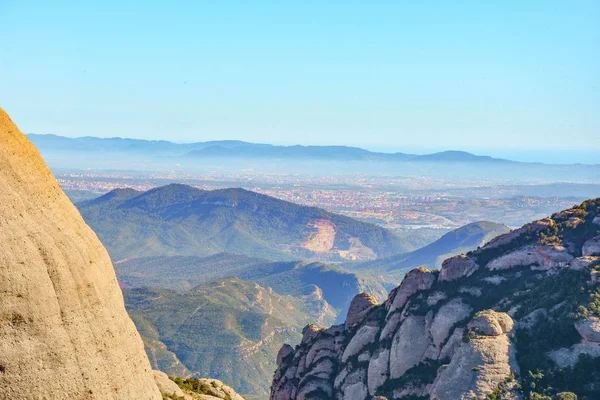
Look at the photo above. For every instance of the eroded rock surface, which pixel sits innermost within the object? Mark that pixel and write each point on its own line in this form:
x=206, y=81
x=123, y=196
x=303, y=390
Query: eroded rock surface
x=64, y=331
x=540, y=256
x=359, y=307
x=450, y=334
x=457, y=267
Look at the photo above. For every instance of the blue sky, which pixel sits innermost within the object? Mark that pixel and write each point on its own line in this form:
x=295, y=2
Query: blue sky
x=486, y=76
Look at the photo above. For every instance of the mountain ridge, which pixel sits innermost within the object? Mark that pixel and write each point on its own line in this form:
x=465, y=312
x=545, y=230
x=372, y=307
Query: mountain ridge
x=518, y=318
x=181, y=220
x=236, y=148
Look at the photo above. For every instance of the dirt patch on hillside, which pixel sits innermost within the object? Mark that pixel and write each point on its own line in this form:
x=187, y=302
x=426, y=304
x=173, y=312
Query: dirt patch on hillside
x=322, y=240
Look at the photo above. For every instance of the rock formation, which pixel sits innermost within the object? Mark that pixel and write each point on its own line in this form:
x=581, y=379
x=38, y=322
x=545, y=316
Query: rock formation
x=64, y=331
x=471, y=330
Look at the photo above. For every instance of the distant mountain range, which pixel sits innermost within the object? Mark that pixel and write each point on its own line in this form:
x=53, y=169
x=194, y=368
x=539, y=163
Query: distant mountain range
x=239, y=149
x=184, y=221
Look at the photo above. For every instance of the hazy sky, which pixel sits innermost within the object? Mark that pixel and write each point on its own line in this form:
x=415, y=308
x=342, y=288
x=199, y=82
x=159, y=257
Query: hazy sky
x=388, y=75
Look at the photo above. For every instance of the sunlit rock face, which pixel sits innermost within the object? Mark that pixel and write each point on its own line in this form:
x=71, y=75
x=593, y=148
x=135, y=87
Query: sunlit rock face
x=453, y=334
x=64, y=331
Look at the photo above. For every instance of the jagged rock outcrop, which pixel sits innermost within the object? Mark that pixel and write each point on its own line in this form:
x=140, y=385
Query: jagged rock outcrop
x=64, y=331
x=532, y=227
x=457, y=267
x=415, y=280
x=480, y=365
x=471, y=330
x=541, y=256
x=359, y=307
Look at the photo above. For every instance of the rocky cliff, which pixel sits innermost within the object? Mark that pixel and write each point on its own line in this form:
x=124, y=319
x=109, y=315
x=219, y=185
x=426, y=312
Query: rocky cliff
x=517, y=318
x=64, y=331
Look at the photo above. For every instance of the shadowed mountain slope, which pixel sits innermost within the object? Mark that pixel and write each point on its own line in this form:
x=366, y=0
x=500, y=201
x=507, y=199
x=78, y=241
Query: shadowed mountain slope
x=461, y=240
x=337, y=285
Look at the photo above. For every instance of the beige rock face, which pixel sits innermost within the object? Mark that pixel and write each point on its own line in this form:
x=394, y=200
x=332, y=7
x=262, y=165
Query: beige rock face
x=589, y=329
x=217, y=390
x=167, y=386
x=543, y=257
x=359, y=307
x=457, y=267
x=417, y=279
x=534, y=226
x=479, y=365
x=64, y=331
x=448, y=315
x=491, y=323
x=408, y=346
x=361, y=339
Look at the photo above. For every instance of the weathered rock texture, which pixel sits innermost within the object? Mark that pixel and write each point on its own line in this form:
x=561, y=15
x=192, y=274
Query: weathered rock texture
x=64, y=331
x=455, y=333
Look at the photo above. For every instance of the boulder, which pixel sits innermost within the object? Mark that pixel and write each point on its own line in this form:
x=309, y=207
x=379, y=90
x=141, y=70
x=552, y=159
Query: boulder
x=535, y=226
x=309, y=332
x=591, y=247
x=359, y=307
x=452, y=344
x=353, y=387
x=167, y=387
x=417, y=279
x=596, y=220
x=324, y=346
x=391, y=326
x=457, y=267
x=539, y=256
x=491, y=323
x=589, y=329
x=476, y=369
x=307, y=387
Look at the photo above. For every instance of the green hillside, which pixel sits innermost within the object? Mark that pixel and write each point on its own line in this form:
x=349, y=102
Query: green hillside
x=228, y=329
x=182, y=220
x=337, y=285
x=182, y=272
